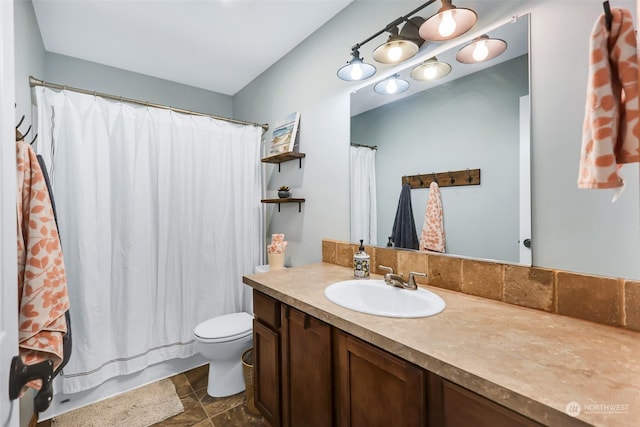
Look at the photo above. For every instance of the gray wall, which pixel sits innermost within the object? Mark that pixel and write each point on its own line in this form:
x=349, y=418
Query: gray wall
x=469, y=123
x=576, y=230
x=29, y=58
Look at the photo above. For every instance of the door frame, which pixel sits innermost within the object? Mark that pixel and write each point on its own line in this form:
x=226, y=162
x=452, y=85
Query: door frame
x=9, y=410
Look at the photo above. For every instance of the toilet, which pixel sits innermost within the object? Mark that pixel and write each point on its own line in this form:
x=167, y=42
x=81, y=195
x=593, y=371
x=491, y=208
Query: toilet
x=222, y=340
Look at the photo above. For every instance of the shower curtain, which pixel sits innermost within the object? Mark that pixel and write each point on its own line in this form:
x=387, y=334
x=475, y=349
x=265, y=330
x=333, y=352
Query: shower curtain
x=159, y=216
x=364, y=219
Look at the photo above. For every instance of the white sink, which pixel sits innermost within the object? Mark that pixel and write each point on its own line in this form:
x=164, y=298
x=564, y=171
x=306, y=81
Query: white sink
x=376, y=297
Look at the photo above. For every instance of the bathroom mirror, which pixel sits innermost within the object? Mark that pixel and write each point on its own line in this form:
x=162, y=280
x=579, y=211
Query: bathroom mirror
x=477, y=117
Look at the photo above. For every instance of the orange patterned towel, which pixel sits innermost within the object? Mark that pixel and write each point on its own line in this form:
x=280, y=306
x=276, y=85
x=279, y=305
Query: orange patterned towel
x=432, y=236
x=611, y=128
x=42, y=284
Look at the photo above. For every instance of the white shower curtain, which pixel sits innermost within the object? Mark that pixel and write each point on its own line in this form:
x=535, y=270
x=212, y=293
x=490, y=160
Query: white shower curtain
x=159, y=217
x=364, y=219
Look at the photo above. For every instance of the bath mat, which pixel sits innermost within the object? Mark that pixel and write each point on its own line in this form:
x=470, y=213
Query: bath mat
x=141, y=407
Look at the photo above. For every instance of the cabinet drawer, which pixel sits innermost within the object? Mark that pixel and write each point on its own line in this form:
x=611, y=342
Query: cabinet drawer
x=266, y=309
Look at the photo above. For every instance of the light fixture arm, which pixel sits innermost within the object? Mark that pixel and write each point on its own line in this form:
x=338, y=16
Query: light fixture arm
x=393, y=24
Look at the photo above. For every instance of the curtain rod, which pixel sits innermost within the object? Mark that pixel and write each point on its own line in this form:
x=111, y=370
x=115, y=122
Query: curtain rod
x=373, y=147
x=36, y=82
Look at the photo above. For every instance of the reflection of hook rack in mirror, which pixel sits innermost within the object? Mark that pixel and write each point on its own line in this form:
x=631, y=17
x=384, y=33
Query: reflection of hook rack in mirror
x=456, y=179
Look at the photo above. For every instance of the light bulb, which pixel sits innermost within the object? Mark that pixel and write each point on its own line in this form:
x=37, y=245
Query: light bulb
x=447, y=24
x=392, y=87
x=430, y=72
x=480, y=52
x=394, y=53
x=356, y=71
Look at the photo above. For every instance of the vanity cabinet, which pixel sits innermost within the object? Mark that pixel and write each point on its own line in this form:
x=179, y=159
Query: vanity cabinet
x=310, y=374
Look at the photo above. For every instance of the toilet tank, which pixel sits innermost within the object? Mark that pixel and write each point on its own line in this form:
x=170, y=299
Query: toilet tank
x=261, y=268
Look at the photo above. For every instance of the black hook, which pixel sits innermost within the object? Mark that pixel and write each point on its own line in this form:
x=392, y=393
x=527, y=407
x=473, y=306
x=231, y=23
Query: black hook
x=20, y=122
x=420, y=180
x=34, y=139
x=435, y=178
x=27, y=132
x=469, y=177
x=607, y=15
x=453, y=181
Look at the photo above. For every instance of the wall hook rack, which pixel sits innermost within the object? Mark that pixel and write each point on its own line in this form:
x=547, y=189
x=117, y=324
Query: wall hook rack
x=456, y=179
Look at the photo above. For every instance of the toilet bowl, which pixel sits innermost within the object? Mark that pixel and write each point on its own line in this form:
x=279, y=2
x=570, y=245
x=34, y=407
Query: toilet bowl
x=222, y=340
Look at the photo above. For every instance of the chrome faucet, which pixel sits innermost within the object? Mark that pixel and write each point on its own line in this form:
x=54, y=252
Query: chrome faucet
x=397, y=280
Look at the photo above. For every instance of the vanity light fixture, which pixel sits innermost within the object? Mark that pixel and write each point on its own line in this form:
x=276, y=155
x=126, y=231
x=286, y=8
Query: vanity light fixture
x=400, y=46
x=481, y=49
x=448, y=23
x=431, y=69
x=391, y=86
x=403, y=44
x=356, y=69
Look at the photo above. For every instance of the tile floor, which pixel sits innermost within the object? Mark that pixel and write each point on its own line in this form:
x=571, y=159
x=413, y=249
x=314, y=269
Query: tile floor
x=202, y=410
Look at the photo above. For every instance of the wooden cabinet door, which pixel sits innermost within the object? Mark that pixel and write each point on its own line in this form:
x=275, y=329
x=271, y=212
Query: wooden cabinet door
x=267, y=362
x=267, y=357
x=375, y=388
x=307, y=372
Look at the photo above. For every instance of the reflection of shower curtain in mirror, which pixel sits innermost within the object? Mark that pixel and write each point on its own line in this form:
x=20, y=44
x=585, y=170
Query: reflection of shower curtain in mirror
x=160, y=214
x=364, y=219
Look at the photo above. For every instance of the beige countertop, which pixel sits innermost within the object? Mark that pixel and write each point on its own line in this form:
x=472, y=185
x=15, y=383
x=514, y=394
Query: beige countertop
x=533, y=362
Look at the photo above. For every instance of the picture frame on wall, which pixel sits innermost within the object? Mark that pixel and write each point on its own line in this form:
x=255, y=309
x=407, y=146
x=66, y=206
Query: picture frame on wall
x=284, y=138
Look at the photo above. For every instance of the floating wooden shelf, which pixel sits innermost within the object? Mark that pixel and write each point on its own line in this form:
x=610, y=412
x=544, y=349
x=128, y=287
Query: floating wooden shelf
x=284, y=157
x=444, y=179
x=288, y=200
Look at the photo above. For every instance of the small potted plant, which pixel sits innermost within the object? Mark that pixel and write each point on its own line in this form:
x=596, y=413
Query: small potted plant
x=283, y=192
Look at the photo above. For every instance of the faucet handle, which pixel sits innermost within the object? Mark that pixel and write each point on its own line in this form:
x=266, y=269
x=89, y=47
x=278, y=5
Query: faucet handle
x=384, y=267
x=412, y=281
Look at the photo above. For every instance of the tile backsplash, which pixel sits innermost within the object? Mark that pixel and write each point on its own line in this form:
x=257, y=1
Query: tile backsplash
x=607, y=300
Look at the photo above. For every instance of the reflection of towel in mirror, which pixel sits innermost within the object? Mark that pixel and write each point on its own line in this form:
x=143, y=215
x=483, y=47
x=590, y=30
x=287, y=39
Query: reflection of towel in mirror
x=432, y=236
x=404, y=227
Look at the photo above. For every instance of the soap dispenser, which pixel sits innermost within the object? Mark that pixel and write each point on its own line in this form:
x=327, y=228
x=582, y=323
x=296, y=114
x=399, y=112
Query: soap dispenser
x=361, y=262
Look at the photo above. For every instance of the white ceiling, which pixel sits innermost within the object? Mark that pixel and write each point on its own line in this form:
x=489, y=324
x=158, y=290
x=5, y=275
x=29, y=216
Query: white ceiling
x=219, y=45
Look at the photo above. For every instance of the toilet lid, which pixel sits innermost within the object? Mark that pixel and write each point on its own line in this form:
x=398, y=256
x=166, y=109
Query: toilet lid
x=226, y=326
